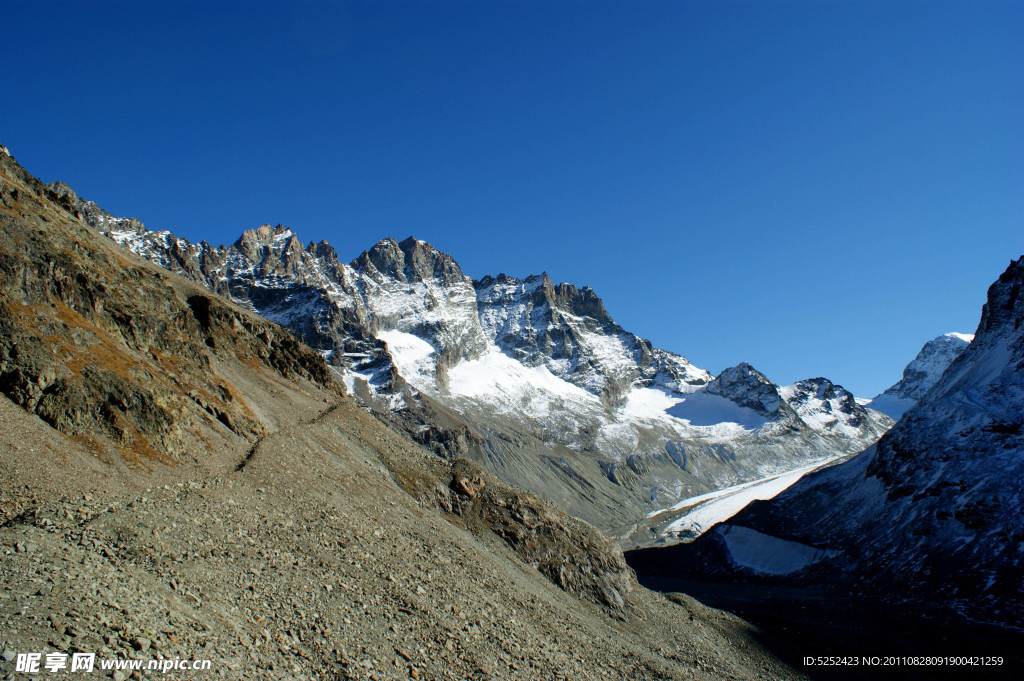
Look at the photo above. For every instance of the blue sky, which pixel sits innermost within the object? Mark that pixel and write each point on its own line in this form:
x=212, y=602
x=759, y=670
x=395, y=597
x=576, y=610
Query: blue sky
x=814, y=187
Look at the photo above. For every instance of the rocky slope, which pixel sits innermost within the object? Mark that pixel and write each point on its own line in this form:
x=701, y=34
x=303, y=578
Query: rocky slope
x=921, y=374
x=532, y=380
x=182, y=478
x=932, y=513
x=113, y=354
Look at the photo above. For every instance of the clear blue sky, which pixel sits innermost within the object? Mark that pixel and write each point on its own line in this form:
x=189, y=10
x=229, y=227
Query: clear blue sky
x=814, y=187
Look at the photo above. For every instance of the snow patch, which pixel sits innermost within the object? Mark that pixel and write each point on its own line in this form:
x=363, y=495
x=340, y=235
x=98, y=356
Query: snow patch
x=500, y=381
x=703, y=409
x=891, y=405
x=413, y=357
x=649, y=403
x=718, y=506
x=767, y=554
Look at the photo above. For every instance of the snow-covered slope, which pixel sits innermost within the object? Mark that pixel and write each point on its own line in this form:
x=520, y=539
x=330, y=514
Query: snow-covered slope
x=534, y=380
x=755, y=404
x=829, y=409
x=702, y=512
x=921, y=374
x=932, y=512
x=569, y=331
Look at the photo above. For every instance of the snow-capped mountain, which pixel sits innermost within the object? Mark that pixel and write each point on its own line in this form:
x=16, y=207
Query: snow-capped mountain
x=931, y=512
x=826, y=407
x=814, y=403
x=568, y=331
x=534, y=380
x=921, y=374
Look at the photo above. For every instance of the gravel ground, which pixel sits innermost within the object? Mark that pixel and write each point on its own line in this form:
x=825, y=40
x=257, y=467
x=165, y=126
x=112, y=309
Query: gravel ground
x=311, y=562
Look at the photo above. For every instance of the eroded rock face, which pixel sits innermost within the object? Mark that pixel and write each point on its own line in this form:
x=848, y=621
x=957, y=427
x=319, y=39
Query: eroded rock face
x=568, y=331
x=567, y=551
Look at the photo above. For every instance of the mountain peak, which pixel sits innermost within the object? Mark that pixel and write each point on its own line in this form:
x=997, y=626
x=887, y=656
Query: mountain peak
x=966, y=337
x=266, y=234
x=747, y=387
x=410, y=260
x=823, y=388
x=827, y=407
x=987, y=364
x=921, y=373
x=411, y=243
x=258, y=244
x=1002, y=309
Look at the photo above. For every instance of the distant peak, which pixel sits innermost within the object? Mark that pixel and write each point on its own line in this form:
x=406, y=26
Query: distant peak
x=744, y=367
x=411, y=242
x=822, y=388
x=747, y=387
x=266, y=235
x=821, y=382
x=411, y=259
x=922, y=372
x=743, y=371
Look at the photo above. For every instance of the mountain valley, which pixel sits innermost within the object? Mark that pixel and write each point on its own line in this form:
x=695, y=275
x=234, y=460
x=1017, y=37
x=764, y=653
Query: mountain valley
x=300, y=467
x=185, y=480
x=532, y=380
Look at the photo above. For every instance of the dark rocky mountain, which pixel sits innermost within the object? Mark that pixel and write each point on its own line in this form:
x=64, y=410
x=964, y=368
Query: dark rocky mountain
x=533, y=380
x=930, y=514
x=747, y=387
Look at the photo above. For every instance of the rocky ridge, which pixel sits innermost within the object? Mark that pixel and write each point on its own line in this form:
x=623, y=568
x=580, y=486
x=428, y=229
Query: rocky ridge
x=568, y=331
x=104, y=351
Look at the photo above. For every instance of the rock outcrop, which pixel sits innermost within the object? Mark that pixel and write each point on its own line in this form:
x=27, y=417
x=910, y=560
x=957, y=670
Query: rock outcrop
x=94, y=345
